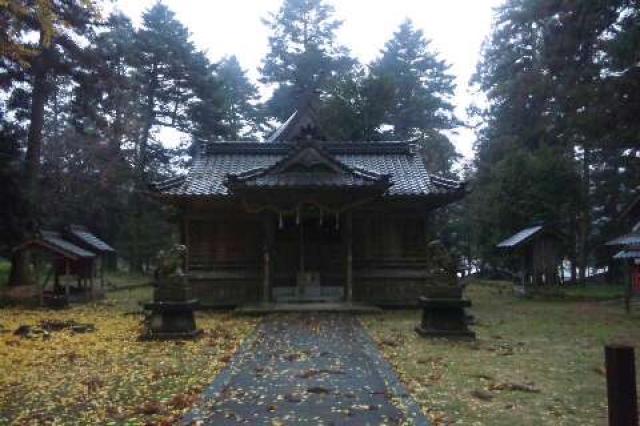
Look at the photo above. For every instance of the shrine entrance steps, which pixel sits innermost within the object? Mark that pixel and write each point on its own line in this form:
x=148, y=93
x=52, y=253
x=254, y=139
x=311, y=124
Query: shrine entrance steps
x=306, y=306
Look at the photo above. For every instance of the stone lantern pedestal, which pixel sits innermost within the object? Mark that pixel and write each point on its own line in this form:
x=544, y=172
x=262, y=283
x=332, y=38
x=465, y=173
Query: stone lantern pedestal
x=172, y=311
x=444, y=315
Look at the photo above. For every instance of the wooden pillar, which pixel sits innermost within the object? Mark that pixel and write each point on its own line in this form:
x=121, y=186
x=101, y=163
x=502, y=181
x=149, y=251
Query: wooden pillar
x=628, y=278
x=425, y=236
x=621, y=385
x=349, y=242
x=184, y=237
x=92, y=281
x=38, y=283
x=103, y=262
x=301, y=234
x=66, y=281
x=266, y=257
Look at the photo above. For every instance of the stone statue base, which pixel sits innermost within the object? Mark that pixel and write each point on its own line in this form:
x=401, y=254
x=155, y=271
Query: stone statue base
x=445, y=317
x=172, y=311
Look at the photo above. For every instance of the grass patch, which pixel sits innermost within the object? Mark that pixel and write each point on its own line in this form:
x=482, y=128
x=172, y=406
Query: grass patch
x=108, y=375
x=5, y=268
x=119, y=279
x=535, y=362
x=594, y=292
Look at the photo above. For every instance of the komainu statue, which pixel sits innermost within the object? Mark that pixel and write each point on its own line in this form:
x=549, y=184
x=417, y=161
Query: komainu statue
x=443, y=306
x=170, y=314
x=170, y=262
x=440, y=260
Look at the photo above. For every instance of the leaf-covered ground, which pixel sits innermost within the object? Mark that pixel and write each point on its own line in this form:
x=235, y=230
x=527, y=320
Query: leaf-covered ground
x=107, y=375
x=534, y=363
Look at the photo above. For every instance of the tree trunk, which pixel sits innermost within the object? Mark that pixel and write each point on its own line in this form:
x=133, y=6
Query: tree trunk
x=19, y=274
x=39, y=96
x=585, y=219
x=34, y=140
x=148, y=124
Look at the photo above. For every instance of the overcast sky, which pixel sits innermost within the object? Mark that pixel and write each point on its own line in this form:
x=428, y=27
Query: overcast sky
x=456, y=28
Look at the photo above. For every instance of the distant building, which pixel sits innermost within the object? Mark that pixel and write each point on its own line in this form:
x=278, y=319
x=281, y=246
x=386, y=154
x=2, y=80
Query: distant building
x=75, y=252
x=629, y=246
x=537, y=250
x=82, y=237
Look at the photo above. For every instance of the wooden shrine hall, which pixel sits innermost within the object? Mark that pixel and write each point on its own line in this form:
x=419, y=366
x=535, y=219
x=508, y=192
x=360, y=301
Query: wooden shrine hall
x=300, y=218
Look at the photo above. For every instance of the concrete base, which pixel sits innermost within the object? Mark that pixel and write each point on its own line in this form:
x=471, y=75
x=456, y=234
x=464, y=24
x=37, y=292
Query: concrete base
x=269, y=308
x=445, y=318
x=161, y=335
x=446, y=334
x=171, y=321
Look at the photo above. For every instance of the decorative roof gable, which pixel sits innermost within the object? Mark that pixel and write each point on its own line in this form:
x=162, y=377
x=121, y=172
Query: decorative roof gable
x=302, y=125
x=308, y=165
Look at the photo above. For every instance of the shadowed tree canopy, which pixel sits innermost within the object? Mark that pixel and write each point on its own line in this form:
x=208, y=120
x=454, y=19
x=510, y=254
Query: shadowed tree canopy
x=422, y=88
x=303, y=53
x=241, y=100
x=58, y=31
x=558, y=86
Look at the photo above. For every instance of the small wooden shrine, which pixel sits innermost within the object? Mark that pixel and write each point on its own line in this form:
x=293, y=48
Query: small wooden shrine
x=66, y=264
x=629, y=250
x=536, y=250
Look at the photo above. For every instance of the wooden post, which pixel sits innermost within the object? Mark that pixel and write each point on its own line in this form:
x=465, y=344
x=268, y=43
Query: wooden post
x=301, y=234
x=621, y=385
x=628, y=277
x=92, y=279
x=66, y=281
x=349, y=231
x=266, y=258
x=185, y=241
x=36, y=263
x=100, y=269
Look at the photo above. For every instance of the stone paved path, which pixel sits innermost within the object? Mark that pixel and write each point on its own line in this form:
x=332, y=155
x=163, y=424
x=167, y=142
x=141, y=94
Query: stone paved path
x=307, y=369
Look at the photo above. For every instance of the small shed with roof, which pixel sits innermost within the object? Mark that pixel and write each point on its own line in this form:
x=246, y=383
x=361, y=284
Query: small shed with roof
x=82, y=237
x=537, y=250
x=63, y=258
x=629, y=248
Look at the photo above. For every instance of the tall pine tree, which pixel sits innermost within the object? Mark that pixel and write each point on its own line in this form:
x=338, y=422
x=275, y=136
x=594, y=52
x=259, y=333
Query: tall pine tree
x=422, y=86
x=59, y=29
x=303, y=53
x=241, y=109
x=550, y=75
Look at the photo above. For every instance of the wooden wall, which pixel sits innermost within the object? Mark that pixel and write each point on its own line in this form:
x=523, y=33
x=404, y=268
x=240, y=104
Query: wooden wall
x=389, y=257
x=225, y=259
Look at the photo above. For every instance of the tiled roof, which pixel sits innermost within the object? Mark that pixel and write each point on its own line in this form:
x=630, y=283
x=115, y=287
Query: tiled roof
x=520, y=237
x=315, y=179
x=307, y=166
x=407, y=173
x=631, y=239
x=628, y=254
x=83, y=234
x=55, y=240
